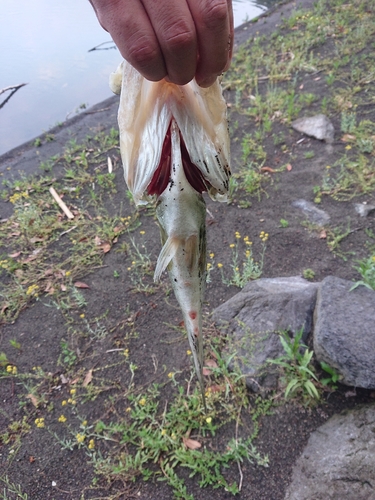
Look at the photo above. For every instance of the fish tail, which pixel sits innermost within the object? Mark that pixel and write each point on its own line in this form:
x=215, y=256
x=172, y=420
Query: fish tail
x=194, y=330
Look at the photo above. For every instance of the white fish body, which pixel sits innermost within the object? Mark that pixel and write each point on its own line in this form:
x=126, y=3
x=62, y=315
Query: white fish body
x=181, y=212
x=174, y=144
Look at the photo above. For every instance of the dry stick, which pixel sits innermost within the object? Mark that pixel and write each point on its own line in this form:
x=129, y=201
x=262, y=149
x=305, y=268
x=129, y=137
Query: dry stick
x=61, y=204
x=12, y=87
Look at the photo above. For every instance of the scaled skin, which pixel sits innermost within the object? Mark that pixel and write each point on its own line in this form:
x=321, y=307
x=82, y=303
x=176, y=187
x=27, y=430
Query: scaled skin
x=181, y=212
x=178, y=40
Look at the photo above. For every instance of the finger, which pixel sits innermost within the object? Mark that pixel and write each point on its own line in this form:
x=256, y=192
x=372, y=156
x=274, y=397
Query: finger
x=132, y=31
x=213, y=25
x=175, y=30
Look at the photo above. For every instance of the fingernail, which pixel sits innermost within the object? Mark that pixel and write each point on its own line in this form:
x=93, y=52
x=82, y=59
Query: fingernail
x=207, y=82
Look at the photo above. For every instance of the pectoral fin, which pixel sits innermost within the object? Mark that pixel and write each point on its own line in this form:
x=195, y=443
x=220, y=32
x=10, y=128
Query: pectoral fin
x=166, y=255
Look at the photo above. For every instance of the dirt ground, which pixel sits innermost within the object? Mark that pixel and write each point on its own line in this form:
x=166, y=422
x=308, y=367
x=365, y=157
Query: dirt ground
x=30, y=456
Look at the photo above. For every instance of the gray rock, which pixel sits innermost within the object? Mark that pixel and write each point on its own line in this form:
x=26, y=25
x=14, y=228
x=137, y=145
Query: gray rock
x=344, y=332
x=363, y=209
x=318, y=126
x=313, y=213
x=338, y=462
x=255, y=315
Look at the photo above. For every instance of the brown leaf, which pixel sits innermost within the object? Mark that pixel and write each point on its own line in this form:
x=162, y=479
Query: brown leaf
x=97, y=240
x=33, y=399
x=80, y=284
x=63, y=288
x=323, y=234
x=268, y=169
x=31, y=459
x=191, y=443
x=216, y=388
x=106, y=247
x=88, y=378
x=348, y=138
x=14, y=255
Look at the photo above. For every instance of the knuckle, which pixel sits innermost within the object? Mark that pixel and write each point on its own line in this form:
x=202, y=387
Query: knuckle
x=178, y=36
x=215, y=14
x=142, y=53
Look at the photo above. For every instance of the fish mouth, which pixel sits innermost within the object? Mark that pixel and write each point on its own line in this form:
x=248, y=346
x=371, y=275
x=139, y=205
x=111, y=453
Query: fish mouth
x=162, y=174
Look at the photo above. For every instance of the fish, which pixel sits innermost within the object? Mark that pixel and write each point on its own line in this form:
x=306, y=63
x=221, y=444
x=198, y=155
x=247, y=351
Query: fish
x=181, y=212
x=174, y=146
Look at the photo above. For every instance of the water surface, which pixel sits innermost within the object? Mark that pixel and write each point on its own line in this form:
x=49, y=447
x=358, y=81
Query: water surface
x=46, y=44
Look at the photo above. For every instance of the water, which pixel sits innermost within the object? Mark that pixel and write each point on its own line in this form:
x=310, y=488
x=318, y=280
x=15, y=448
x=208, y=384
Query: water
x=45, y=44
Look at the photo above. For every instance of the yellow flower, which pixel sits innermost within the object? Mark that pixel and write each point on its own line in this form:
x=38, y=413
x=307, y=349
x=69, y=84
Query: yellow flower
x=237, y=235
x=212, y=255
x=232, y=245
x=80, y=438
x=84, y=423
x=188, y=352
x=163, y=432
x=128, y=409
x=73, y=391
x=142, y=401
x=170, y=374
x=348, y=147
x=9, y=369
x=328, y=166
x=209, y=265
x=126, y=353
x=247, y=253
x=82, y=315
x=62, y=419
x=91, y=444
x=142, y=232
x=248, y=242
x=208, y=420
x=64, y=402
x=32, y=290
x=220, y=265
x=39, y=422
x=245, y=238
x=14, y=370
x=68, y=273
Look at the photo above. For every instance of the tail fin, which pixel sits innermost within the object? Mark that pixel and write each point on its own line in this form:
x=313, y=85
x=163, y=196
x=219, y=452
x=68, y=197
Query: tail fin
x=166, y=255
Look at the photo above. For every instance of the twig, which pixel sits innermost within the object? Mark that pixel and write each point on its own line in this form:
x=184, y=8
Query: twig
x=61, y=204
x=96, y=111
x=103, y=43
x=238, y=462
x=12, y=87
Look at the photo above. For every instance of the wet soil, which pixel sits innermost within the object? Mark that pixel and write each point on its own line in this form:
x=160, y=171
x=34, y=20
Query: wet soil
x=45, y=471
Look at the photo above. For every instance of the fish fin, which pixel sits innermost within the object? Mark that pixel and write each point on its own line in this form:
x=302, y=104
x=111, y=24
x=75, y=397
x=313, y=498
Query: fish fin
x=166, y=255
x=191, y=252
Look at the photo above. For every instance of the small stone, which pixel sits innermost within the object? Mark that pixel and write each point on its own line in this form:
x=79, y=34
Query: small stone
x=54, y=483
x=318, y=126
x=313, y=213
x=363, y=209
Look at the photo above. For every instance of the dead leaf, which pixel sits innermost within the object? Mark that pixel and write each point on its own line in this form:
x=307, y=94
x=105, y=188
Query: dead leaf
x=63, y=379
x=14, y=255
x=192, y=444
x=348, y=138
x=63, y=288
x=80, y=284
x=210, y=363
x=31, y=459
x=323, y=234
x=110, y=166
x=87, y=379
x=216, y=388
x=33, y=399
x=268, y=169
x=97, y=240
x=289, y=167
x=106, y=247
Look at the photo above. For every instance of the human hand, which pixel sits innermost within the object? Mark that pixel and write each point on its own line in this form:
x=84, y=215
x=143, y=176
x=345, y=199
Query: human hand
x=173, y=39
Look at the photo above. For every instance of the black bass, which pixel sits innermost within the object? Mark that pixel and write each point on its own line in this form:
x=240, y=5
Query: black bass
x=174, y=145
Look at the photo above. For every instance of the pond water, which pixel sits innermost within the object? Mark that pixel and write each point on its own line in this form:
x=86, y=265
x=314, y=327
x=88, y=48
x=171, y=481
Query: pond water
x=46, y=45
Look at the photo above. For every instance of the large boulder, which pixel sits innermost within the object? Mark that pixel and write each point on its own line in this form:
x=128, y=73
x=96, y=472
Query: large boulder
x=338, y=462
x=255, y=316
x=344, y=331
